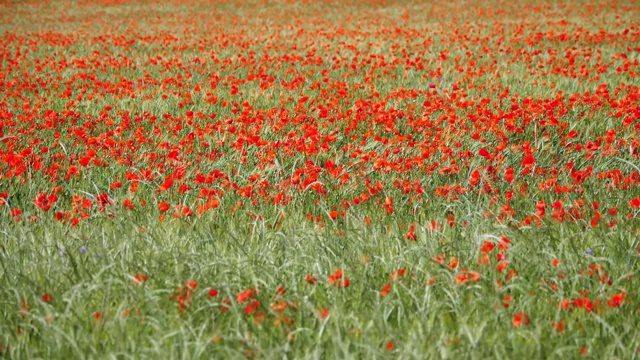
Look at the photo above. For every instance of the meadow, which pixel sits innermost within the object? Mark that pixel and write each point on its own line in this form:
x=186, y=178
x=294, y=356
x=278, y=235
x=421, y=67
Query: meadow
x=319, y=179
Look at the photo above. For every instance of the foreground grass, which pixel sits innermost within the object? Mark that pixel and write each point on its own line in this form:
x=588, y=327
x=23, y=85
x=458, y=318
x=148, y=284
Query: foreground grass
x=349, y=180
x=425, y=314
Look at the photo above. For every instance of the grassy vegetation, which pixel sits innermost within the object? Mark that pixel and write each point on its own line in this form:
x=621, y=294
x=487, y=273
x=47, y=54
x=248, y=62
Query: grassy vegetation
x=282, y=179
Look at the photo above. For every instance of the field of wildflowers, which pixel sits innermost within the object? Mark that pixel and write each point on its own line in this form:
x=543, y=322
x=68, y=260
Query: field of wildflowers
x=319, y=179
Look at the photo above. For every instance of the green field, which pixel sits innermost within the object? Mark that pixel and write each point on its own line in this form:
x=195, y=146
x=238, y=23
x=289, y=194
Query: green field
x=319, y=179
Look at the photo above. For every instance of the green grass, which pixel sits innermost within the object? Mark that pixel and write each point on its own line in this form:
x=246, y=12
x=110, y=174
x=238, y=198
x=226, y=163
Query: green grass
x=406, y=131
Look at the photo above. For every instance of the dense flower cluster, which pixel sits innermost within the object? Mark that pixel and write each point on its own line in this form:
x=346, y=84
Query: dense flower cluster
x=375, y=118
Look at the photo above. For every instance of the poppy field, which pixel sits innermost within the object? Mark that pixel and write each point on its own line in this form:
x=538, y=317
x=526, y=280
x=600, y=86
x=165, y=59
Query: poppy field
x=319, y=179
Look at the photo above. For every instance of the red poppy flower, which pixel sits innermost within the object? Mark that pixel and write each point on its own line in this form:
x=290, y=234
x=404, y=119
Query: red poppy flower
x=163, y=207
x=245, y=295
x=528, y=160
x=385, y=290
x=47, y=298
x=390, y=346
x=616, y=300
x=324, y=314
x=558, y=326
x=520, y=319
x=465, y=276
x=191, y=284
x=45, y=202
x=338, y=280
x=139, y=279
x=397, y=274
